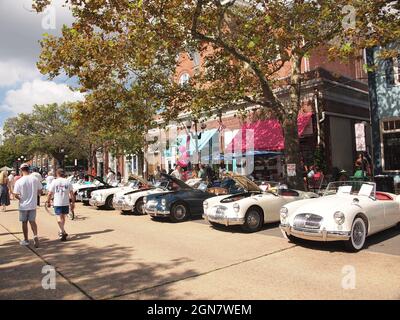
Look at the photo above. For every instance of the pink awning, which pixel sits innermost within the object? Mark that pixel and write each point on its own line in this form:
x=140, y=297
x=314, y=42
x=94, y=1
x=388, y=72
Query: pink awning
x=264, y=135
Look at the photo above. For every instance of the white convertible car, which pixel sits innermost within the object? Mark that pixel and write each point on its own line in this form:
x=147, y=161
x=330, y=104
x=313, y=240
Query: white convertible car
x=249, y=206
x=132, y=201
x=104, y=198
x=348, y=211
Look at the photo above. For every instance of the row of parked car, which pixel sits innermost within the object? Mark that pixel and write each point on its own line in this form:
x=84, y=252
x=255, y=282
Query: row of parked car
x=348, y=211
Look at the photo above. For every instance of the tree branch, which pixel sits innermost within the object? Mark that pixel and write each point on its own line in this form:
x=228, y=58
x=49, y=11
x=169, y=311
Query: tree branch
x=270, y=98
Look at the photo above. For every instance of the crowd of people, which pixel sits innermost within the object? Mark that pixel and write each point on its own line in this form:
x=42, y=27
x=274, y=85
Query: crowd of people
x=197, y=171
x=26, y=187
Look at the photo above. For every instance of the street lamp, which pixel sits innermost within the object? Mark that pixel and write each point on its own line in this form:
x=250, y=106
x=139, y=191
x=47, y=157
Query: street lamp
x=196, y=135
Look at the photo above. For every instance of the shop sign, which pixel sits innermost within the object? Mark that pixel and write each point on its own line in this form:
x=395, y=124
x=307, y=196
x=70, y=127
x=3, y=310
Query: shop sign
x=291, y=169
x=360, y=137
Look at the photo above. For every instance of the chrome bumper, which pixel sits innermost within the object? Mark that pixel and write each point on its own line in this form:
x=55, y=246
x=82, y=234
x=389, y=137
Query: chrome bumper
x=318, y=235
x=122, y=206
x=95, y=203
x=224, y=220
x=154, y=212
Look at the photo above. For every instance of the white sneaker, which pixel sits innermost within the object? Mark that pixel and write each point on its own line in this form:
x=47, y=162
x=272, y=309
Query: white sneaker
x=24, y=243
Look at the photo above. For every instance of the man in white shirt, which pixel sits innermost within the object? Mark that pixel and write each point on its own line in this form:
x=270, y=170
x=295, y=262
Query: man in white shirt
x=26, y=190
x=62, y=192
x=177, y=172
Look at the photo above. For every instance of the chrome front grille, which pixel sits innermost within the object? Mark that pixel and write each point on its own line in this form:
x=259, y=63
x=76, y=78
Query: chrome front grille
x=307, y=221
x=151, y=206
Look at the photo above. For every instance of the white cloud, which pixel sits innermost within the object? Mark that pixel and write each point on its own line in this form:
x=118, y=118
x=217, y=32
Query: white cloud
x=13, y=72
x=37, y=92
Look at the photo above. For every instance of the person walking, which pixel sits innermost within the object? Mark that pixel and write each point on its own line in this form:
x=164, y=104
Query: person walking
x=4, y=190
x=37, y=175
x=11, y=183
x=26, y=190
x=62, y=193
x=49, y=180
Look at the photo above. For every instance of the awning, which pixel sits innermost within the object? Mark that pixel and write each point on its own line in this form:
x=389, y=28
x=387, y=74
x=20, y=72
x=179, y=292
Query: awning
x=264, y=135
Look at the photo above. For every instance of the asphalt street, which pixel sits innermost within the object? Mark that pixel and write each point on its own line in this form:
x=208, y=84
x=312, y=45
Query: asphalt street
x=113, y=256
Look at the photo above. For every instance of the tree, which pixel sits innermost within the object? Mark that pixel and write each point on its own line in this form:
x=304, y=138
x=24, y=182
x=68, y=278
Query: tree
x=11, y=150
x=245, y=45
x=49, y=129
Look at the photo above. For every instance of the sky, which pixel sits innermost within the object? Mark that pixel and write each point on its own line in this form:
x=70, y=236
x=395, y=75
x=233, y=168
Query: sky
x=21, y=84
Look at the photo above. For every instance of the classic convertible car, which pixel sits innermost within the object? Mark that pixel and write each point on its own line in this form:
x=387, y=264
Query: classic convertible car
x=250, y=207
x=104, y=198
x=84, y=193
x=132, y=202
x=348, y=211
x=179, y=203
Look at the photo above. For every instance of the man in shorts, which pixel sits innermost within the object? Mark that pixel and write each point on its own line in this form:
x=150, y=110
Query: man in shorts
x=26, y=190
x=62, y=193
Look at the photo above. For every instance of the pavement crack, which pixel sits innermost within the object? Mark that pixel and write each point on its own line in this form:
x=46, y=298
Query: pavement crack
x=198, y=274
x=87, y=295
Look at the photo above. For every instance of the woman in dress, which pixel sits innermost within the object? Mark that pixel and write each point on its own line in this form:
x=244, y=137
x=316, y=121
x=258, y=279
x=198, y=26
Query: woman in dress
x=4, y=190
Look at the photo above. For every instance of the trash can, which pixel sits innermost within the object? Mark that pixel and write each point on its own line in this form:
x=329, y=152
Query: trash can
x=384, y=183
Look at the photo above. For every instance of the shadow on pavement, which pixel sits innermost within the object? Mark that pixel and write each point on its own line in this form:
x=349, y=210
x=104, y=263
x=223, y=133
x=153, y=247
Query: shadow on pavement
x=103, y=272
x=238, y=229
x=73, y=237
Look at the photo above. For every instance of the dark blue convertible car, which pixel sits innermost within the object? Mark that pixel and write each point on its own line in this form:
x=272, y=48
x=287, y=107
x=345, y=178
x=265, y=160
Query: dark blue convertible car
x=182, y=201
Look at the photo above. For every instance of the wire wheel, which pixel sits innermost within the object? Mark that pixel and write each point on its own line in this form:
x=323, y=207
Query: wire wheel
x=253, y=221
x=358, y=235
x=139, y=206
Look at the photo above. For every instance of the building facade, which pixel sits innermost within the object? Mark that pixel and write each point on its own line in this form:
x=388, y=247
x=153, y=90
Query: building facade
x=384, y=84
x=334, y=99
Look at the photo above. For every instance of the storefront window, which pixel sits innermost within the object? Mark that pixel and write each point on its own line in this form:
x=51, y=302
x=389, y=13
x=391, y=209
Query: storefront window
x=391, y=144
x=392, y=70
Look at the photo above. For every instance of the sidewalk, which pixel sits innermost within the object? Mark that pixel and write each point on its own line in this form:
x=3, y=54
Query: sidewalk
x=21, y=273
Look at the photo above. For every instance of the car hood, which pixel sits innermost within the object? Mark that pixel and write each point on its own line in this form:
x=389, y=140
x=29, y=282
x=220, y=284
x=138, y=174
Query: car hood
x=112, y=190
x=326, y=205
x=82, y=186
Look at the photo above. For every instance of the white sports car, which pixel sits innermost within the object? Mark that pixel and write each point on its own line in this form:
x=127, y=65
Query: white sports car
x=249, y=206
x=348, y=211
x=104, y=198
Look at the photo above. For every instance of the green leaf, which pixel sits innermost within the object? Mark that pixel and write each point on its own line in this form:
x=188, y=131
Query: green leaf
x=251, y=44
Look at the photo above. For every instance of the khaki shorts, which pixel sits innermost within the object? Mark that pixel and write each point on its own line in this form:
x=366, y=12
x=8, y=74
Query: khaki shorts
x=27, y=215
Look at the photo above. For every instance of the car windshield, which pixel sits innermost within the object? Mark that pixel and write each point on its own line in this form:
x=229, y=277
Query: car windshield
x=358, y=188
x=232, y=186
x=161, y=184
x=131, y=183
x=97, y=183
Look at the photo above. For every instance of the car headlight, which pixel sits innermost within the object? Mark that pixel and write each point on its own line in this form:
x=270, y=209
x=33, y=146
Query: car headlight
x=144, y=199
x=236, y=207
x=163, y=202
x=205, y=204
x=339, y=217
x=284, y=212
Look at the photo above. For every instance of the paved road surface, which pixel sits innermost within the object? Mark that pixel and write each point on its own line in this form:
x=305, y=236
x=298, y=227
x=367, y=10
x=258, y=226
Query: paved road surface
x=111, y=256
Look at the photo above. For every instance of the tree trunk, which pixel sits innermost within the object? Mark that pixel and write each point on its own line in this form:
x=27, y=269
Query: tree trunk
x=290, y=130
x=140, y=156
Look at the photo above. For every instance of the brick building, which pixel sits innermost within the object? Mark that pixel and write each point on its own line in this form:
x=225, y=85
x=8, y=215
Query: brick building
x=333, y=99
